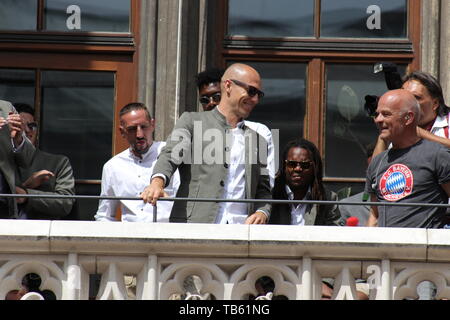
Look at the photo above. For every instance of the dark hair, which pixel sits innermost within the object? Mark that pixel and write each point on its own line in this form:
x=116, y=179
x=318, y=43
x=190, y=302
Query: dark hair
x=208, y=76
x=134, y=106
x=432, y=85
x=23, y=107
x=317, y=188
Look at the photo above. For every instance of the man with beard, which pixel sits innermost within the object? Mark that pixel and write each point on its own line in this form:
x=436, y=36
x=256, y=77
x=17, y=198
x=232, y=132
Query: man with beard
x=127, y=174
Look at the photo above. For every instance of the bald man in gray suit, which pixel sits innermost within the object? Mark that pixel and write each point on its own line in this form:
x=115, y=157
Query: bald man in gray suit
x=15, y=150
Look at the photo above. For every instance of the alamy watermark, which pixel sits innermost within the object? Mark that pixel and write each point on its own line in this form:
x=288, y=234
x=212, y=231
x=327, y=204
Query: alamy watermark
x=213, y=146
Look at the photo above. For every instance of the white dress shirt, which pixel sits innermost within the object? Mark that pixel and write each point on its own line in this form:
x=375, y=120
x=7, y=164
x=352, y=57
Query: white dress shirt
x=127, y=175
x=439, y=124
x=265, y=132
x=234, y=188
x=298, y=211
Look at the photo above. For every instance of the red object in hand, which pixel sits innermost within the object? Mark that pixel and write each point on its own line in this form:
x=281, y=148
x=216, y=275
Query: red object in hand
x=352, y=222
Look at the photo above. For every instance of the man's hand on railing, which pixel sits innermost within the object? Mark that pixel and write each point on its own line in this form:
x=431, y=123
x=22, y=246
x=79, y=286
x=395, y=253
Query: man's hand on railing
x=256, y=218
x=154, y=191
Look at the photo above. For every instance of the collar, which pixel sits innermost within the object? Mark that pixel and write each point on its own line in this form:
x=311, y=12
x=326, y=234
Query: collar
x=290, y=194
x=218, y=115
x=441, y=122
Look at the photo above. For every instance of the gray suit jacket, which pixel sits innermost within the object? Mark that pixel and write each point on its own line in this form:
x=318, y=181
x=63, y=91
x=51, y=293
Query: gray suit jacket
x=10, y=159
x=185, y=149
x=62, y=183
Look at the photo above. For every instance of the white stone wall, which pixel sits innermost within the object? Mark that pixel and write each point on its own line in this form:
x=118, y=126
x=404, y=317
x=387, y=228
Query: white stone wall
x=223, y=261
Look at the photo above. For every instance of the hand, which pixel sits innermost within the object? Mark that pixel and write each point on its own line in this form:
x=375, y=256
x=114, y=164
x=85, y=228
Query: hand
x=16, y=127
x=154, y=191
x=19, y=190
x=256, y=218
x=37, y=178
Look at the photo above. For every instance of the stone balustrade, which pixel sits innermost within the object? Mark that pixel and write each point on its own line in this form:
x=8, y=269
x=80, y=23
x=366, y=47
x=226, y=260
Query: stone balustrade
x=204, y=261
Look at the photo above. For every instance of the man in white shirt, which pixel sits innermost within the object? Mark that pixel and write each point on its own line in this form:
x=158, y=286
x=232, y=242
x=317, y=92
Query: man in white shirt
x=208, y=84
x=128, y=173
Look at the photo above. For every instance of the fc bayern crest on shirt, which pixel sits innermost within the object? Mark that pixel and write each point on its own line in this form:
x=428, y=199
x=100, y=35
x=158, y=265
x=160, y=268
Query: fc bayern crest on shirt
x=396, y=183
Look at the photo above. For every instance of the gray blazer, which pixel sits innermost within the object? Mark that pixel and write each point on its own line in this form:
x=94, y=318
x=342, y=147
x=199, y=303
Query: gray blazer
x=10, y=159
x=202, y=180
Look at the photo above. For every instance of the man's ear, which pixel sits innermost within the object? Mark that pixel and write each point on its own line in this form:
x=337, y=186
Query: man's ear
x=122, y=131
x=409, y=117
x=227, y=85
x=435, y=104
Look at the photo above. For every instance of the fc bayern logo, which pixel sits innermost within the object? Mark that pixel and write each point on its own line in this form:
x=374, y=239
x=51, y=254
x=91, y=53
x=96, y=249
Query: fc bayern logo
x=396, y=183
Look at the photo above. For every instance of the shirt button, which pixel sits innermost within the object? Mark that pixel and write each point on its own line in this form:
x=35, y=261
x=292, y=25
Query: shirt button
x=222, y=183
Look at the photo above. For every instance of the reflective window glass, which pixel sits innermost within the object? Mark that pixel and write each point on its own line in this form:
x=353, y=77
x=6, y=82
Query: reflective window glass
x=349, y=130
x=18, y=14
x=87, y=15
x=363, y=18
x=17, y=85
x=283, y=105
x=77, y=118
x=268, y=18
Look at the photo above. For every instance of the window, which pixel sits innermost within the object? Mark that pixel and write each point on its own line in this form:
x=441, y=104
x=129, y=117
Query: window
x=75, y=63
x=316, y=60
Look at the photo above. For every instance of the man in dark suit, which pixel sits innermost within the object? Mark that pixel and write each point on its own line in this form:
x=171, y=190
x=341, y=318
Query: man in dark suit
x=48, y=174
x=15, y=150
x=217, y=157
x=300, y=178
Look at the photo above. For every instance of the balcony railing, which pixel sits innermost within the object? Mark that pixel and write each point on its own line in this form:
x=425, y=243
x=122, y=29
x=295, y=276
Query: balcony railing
x=223, y=262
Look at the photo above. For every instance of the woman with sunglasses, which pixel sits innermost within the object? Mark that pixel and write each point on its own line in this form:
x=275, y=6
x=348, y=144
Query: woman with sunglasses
x=300, y=178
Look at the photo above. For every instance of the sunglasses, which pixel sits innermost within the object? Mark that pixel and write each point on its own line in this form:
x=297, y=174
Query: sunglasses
x=207, y=99
x=32, y=126
x=251, y=90
x=304, y=165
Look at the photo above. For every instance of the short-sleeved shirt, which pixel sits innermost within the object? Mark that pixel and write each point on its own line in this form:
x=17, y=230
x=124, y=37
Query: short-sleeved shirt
x=410, y=175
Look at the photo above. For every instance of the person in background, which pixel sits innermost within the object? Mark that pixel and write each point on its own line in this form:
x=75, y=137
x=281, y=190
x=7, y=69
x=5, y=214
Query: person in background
x=16, y=150
x=208, y=84
x=48, y=174
x=226, y=173
x=127, y=173
x=300, y=178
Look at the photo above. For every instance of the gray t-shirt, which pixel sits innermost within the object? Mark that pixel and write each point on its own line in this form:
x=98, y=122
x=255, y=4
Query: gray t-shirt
x=410, y=175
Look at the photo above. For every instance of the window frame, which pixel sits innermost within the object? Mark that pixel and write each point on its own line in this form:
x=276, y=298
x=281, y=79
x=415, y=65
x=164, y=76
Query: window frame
x=80, y=51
